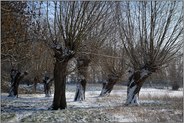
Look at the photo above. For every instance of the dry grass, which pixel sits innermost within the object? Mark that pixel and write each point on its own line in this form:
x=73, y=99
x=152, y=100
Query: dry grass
x=152, y=109
x=164, y=97
x=162, y=107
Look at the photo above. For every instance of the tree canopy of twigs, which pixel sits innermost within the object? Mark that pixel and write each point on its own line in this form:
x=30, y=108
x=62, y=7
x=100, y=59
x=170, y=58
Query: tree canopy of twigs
x=14, y=32
x=73, y=21
x=150, y=31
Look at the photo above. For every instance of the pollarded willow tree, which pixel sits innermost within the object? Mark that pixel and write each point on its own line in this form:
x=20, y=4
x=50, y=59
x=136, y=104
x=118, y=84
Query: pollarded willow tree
x=82, y=73
x=151, y=33
x=15, y=37
x=91, y=44
x=175, y=72
x=72, y=21
x=113, y=64
x=113, y=68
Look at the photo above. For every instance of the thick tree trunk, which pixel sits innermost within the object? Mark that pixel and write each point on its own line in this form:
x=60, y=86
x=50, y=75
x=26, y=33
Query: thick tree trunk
x=80, y=91
x=107, y=88
x=16, y=78
x=60, y=84
x=82, y=66
x=135, y=83
x=60, y=72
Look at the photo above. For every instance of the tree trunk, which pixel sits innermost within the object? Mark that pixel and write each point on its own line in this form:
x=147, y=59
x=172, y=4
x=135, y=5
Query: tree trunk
x=60, y=85
x=175, y=85
x=135, y=83
x=16, y=78
x=62, y=57
x=82, y=66
x=47, y=87
x=36, y=80
x=107, y=87
x=34, y=87
x=80, y=91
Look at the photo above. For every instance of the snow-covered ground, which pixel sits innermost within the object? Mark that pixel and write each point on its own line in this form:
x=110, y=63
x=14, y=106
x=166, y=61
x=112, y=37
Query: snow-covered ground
x=156, y=105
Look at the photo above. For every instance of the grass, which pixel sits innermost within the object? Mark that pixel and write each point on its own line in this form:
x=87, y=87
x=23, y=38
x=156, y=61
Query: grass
x=164, y=107
x=159, y=109
x=7, y=116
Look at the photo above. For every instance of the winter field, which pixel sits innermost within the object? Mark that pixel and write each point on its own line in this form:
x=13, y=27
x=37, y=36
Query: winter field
x=156, y=105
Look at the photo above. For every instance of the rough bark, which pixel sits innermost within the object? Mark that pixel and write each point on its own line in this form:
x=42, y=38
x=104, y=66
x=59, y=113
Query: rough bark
x=60, y=72
x=59, y=100
x=16, y=77
x=80, y=91
x=108, y=86
x=82, y=66
x=135, y=83
x=47, y=86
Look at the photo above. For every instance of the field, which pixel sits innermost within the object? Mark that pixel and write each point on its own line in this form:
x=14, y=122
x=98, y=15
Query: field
x=156, y=105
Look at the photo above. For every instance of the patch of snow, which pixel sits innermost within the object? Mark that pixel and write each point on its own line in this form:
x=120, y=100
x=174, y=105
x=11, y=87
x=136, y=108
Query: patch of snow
x=161, y=92
x=58, y=46
x=152, y=102
x=130, y=73
x=21, y=115
x=121, y=118
x=130, y=98
x=144, y=73
x=48, y=81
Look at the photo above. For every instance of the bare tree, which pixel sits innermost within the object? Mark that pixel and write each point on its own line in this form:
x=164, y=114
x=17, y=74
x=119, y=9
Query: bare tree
x=47, y=81
x=16, y=77
x=151, y=34
x=175, y=72
x=82, y=67
x=112, y=67
x=93, y=42
x=71, y=23
x=14, y=34
x=15, y=37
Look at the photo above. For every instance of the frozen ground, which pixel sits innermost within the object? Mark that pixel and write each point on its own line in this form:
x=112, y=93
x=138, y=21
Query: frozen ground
x=156, y=105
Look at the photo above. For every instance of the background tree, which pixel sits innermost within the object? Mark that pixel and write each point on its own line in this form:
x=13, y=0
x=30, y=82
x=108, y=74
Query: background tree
x=175, y=72
x=15, y=37
x=16, y=77
x=89, y=47
x=47, y=81
x=151, y=34
x=14, y=26
x=82, y=67
x=113, y=66
x=21, y=46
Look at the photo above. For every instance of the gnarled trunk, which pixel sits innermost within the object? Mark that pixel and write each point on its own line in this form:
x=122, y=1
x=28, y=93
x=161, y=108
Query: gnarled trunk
x=135, y=83
x=108, y=86
x=80, y=91
x=82, y=66
x=16, y=77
